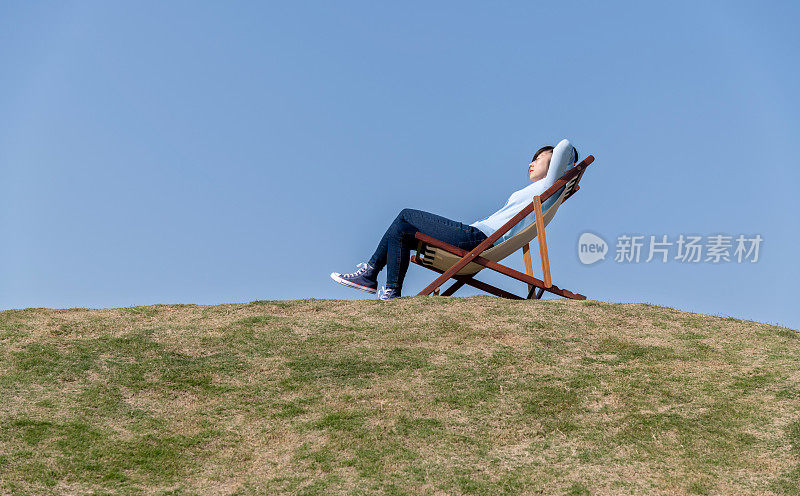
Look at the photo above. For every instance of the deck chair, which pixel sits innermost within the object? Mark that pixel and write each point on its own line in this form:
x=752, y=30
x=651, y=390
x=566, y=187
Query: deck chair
x=453, y=262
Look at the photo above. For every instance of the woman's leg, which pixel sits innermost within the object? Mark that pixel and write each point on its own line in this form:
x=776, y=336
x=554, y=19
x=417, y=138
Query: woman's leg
x=394, y=249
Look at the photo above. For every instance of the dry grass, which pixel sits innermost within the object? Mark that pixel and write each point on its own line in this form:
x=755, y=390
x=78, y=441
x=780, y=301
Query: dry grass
x=421, y=395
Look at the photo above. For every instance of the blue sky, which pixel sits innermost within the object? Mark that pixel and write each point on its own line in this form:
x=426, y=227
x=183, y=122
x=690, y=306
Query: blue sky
x=187, y=152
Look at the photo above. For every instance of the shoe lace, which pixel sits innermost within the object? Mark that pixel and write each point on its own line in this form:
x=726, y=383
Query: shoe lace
x=362, y=267
x=385, y=292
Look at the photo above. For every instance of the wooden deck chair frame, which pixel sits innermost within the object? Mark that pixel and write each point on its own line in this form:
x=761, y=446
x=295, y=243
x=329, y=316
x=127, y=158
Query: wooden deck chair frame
x=536, y=287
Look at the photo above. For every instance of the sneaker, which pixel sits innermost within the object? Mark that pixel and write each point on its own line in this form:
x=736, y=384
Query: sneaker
x=362, y=279
x=388, y=293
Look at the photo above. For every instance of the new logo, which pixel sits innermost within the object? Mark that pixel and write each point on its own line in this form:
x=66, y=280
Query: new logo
x=591, y=248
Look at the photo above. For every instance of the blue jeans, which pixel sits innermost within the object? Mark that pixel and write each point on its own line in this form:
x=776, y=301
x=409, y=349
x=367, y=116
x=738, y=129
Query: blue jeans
x=394, y=250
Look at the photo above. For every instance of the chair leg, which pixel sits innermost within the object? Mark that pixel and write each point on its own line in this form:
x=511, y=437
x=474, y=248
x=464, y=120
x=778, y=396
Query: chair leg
x=526, y=255
x=455, y=287
x=537, y=208
x=535, y=293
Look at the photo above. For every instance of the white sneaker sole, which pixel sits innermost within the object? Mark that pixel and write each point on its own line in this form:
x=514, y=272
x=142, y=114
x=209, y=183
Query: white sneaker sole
x=337, y=277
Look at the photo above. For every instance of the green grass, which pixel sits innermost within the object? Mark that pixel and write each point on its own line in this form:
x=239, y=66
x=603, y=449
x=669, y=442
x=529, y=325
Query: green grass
x=428, y=395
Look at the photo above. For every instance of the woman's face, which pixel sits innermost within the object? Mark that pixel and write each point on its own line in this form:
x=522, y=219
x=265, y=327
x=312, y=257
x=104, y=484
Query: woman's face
x=538, y=168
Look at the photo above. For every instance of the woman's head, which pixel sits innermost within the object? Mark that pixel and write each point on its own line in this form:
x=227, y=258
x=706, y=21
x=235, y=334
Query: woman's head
x=540, y=162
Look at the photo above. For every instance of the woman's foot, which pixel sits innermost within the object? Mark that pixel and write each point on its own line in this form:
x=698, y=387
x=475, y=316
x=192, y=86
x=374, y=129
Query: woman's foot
x=364, y=278
x=388, y=293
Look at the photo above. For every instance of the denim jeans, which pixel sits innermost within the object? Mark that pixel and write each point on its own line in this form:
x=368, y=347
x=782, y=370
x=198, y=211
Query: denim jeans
x=394, y=249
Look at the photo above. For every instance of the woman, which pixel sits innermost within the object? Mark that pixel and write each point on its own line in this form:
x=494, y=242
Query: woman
x=394, y=249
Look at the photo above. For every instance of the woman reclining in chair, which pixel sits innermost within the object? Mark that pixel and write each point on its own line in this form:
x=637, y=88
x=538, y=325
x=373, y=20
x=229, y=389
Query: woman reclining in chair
x=394, y=249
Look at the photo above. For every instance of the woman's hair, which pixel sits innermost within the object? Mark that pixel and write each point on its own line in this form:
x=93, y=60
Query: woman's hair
x=540, y=151
x=550, y=148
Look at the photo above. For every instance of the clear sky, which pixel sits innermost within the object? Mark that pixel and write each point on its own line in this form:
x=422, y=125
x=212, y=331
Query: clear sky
x=214, y=152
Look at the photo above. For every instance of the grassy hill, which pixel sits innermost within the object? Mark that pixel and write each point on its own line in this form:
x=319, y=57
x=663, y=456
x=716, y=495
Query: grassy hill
x=423, y=395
